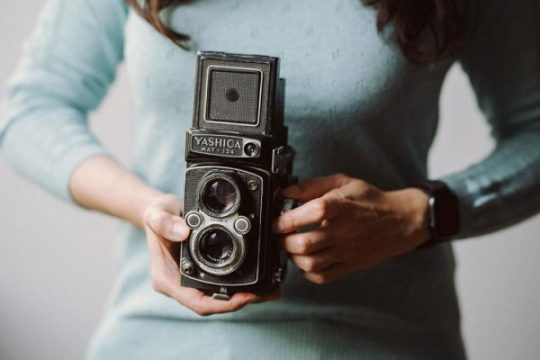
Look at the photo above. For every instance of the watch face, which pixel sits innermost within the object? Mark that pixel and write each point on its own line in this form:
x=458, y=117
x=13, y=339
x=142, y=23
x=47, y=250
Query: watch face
x=443, y=214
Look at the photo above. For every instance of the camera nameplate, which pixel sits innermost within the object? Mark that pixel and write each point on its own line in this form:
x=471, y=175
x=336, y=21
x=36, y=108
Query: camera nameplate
x=223, y=145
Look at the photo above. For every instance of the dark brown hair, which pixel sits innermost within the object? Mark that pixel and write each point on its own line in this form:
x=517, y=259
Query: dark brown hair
x=425, y=30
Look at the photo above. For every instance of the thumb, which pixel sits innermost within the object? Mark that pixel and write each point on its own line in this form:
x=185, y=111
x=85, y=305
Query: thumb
x=313, y=188
x=168, y=226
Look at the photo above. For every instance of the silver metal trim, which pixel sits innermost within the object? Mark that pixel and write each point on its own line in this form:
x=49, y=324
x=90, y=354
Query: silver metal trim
x=221, y=297
x=226, y=221
x=282, y=157
x=222, y=176
x=205, y=95
x=193, y=214
x=226, y=268
x=276, y=159
x=431, y=213
x=245, y=141
x=247, y=222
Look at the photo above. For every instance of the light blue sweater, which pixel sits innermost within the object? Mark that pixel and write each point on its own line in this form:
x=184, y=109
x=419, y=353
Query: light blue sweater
x=353, y=105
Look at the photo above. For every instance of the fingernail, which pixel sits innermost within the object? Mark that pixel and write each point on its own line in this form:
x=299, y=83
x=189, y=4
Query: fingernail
x=179, y=230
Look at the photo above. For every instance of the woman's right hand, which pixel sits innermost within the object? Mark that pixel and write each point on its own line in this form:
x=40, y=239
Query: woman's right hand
x=165, y=229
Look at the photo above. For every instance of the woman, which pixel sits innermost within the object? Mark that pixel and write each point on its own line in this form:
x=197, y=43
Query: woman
x=376, y=279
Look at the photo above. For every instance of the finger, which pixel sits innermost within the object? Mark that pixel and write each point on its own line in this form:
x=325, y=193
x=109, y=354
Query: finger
x=318, y=261
x=166, y=225
x=170, y=249
x=313, y=188
x=164, y=270
x=308, y=242
x=327, y=275
x=166, y=280
x=158, y=250
x=276, y=294
x=205, y=305
x=312, y=212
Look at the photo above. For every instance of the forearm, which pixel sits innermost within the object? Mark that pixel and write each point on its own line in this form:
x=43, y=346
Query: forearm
x=504, y=188
x=500, y=57
x=100, y=183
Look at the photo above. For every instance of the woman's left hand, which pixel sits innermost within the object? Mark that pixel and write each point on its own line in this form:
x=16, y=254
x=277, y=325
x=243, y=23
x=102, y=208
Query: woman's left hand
x=360, y=225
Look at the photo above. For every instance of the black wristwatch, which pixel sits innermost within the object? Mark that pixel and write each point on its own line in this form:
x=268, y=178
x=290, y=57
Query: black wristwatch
x=443, y=211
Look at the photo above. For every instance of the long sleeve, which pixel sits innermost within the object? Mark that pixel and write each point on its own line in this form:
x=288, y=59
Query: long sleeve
x=502, y=60
x=65, y=70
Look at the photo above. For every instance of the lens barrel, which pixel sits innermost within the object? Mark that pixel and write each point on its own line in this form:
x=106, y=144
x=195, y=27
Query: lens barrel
x=217, y=250
x=216, y=246
x=219, y=195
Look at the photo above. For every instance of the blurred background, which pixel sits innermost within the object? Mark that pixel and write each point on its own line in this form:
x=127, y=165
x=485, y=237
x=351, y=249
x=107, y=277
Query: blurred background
x=57, y=262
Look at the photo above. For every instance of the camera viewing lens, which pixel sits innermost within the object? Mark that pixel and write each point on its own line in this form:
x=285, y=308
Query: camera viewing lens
x=219, y=196
x=216, y=247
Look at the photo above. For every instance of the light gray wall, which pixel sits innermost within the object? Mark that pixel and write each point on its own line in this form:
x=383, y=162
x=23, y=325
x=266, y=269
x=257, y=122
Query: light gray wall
x=57, y=261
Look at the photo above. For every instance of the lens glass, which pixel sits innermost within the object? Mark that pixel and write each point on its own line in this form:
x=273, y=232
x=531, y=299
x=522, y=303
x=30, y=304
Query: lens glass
x=219, y=196
x=216, y=246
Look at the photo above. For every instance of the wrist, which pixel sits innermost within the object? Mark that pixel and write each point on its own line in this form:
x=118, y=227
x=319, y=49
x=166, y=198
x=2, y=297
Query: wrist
x=413, y=206
x=443, y=211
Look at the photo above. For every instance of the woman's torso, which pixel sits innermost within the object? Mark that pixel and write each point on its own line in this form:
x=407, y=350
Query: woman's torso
x=353, y=105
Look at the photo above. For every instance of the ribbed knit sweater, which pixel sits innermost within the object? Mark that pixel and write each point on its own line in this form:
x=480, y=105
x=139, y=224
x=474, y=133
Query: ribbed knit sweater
x=354, y=104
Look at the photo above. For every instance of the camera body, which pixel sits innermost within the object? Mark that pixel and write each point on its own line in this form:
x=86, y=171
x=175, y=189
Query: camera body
x=237, y=161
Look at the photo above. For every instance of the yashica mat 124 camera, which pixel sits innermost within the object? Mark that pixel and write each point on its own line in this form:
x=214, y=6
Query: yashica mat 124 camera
x=238, y=159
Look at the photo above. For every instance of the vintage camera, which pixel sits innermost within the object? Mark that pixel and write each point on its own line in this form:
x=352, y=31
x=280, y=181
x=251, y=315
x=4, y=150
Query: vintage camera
x=238, y=159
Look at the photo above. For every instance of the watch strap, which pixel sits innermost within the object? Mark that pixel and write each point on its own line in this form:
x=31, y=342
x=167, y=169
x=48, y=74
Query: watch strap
x=443, y=211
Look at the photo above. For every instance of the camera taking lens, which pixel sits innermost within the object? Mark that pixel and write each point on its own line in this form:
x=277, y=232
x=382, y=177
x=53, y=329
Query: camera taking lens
x=216, y=247
x=217, y=250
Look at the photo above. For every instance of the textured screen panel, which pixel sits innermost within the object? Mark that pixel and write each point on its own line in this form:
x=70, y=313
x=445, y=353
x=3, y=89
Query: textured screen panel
x=208, y=65
x=193, y=179
x=234, y=96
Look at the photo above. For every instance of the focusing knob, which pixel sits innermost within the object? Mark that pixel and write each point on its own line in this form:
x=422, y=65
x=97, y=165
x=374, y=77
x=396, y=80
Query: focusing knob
x=288, y=205
x=193, y=220
x=242, y=225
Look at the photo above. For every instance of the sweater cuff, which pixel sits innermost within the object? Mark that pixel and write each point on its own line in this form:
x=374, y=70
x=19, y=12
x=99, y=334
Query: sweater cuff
x=463, y=189
x=48, y=150
x=67, y=165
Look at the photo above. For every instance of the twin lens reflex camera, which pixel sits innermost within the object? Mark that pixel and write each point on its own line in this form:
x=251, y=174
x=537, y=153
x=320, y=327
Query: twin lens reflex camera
x=237, y=161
